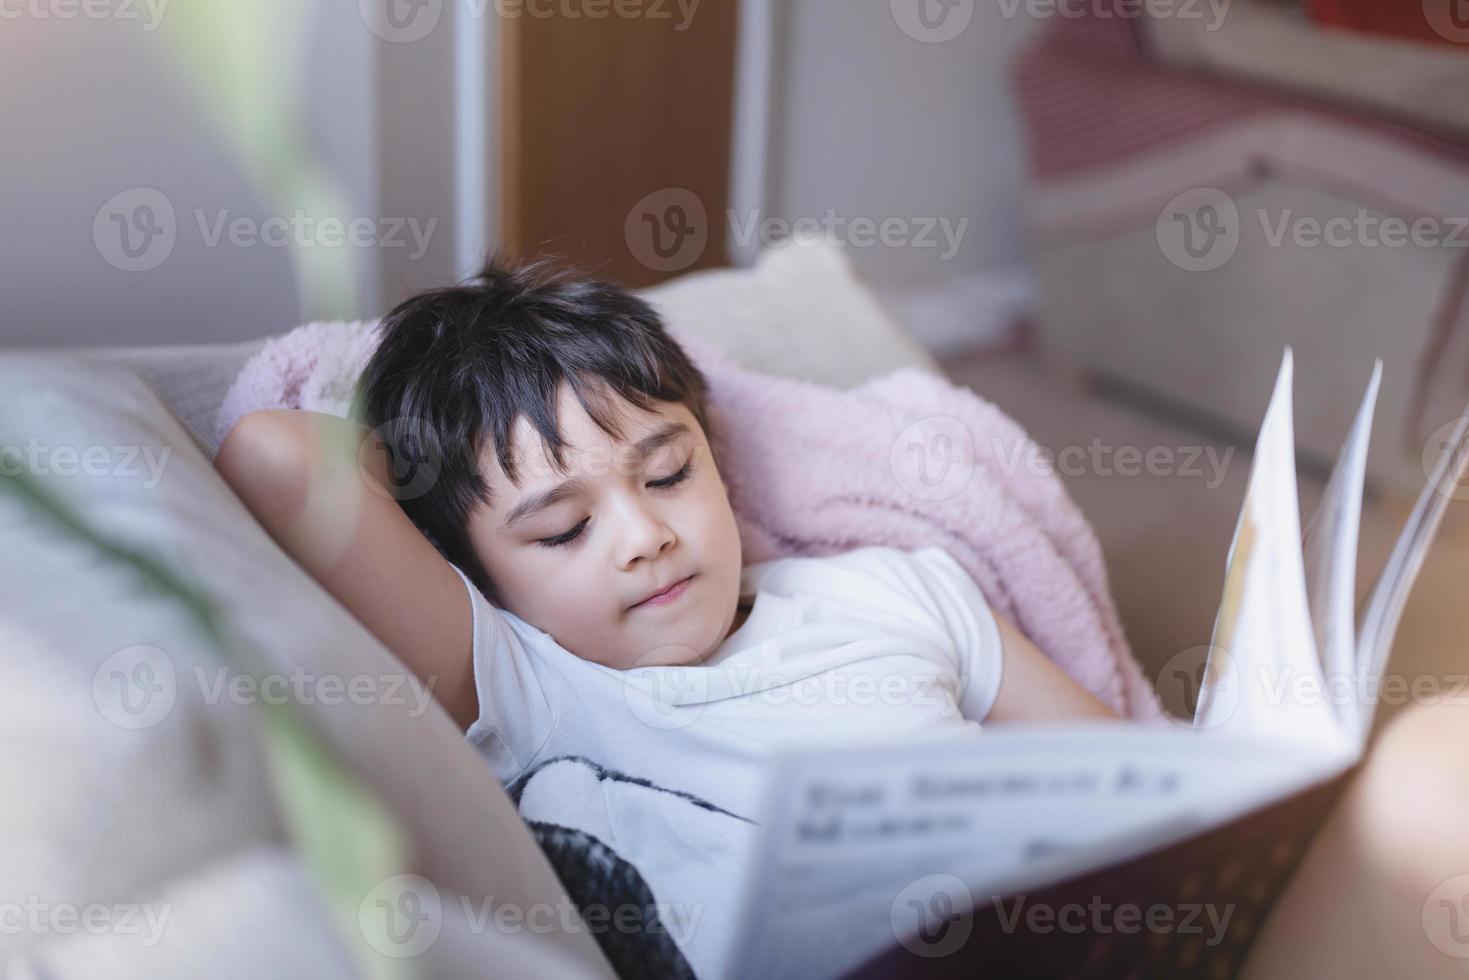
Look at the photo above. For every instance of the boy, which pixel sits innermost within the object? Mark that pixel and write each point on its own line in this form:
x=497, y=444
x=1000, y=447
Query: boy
x=548, y=544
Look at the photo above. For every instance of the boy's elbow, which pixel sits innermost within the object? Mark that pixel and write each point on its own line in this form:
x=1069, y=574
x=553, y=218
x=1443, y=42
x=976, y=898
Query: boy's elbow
x=265, y=460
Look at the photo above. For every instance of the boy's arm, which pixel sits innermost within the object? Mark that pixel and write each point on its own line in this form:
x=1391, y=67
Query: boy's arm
x=318, y=484
x=1033, y=688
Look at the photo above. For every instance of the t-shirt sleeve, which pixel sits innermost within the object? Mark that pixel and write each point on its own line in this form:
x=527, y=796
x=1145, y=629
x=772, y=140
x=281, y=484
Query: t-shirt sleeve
x=956, y=600
x=517, y=711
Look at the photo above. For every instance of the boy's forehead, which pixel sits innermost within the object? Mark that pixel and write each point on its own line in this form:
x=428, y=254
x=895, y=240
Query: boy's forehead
x=584, y=443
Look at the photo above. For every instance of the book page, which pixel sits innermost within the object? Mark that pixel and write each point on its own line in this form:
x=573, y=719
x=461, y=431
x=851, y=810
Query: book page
x=1330, y=550
x=851, y=838
x=1264, y=677
x=1385, y=605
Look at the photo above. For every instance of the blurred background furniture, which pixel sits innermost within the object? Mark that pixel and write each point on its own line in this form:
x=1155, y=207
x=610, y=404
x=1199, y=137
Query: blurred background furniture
x=1243, y=135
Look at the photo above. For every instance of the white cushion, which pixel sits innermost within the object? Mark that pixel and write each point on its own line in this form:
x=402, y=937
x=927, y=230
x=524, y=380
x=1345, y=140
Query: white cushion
x=799, y=312
x=111, y=805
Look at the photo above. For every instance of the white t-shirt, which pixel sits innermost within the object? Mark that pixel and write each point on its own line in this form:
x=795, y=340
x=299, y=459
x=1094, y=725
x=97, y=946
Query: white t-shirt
x=873, y=645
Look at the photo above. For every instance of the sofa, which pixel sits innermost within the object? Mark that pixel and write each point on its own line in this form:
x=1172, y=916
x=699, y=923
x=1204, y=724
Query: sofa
x=212, y=768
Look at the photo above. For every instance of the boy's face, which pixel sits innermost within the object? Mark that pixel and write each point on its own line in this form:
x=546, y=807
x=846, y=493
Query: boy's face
x=623, y=526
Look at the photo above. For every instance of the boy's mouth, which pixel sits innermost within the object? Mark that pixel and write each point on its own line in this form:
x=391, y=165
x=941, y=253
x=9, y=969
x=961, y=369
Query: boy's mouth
x=669, y=594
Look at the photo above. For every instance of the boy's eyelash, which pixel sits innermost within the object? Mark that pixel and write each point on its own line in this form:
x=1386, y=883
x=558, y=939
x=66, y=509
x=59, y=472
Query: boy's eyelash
x=663, y=484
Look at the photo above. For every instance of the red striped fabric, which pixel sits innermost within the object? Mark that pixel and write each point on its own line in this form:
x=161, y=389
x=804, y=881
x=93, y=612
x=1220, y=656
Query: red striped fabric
x=1089, y=98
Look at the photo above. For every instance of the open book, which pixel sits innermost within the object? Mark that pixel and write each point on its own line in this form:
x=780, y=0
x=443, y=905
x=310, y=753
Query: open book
x=861, y=849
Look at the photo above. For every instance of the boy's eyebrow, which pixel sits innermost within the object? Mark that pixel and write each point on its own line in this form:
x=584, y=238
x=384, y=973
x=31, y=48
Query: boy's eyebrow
x=642, y=449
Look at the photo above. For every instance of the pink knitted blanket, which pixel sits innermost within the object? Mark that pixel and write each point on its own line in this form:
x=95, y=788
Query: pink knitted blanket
x=905, y=460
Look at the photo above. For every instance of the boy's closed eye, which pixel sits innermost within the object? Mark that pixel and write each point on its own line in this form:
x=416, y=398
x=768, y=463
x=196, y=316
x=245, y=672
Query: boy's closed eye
x=667, y=483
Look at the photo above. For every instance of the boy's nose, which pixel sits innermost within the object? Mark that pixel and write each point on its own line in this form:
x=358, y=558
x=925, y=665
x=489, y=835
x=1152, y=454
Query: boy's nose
x=646, y=536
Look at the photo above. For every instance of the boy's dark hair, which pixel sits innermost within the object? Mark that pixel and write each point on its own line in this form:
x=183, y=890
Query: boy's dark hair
x=457, y=365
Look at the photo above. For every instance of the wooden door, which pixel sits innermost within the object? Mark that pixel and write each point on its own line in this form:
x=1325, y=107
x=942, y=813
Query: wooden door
x=616, y=133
